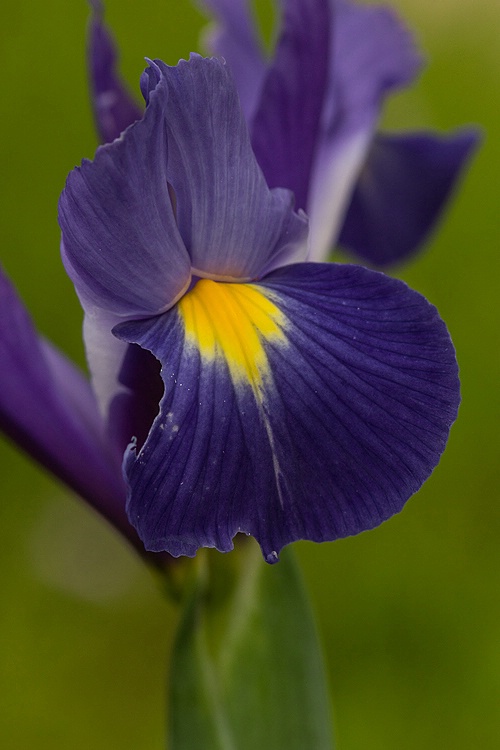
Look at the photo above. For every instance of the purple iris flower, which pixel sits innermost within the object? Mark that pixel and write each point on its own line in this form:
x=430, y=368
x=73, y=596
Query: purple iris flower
x=312, y=111
x=250, y=391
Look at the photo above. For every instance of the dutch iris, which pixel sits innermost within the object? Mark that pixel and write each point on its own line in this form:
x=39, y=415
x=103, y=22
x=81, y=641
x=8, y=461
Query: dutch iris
x=300, y=400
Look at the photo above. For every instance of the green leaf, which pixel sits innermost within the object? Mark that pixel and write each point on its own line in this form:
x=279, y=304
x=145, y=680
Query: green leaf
x=247, y=670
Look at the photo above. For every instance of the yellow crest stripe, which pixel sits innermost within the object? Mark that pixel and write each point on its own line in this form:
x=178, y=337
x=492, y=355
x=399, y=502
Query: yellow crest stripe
x=232, y=321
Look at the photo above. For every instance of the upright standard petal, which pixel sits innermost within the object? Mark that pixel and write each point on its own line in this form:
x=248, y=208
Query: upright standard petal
x=233, y=226
x=400, y=193
x=309, y=406
x=286, y=125
x=372, y=53
x=47, y=407
x=122, y=247
x=234, y=38
x=114, y=107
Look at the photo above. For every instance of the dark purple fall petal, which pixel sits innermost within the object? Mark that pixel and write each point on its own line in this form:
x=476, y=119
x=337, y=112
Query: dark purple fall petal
x=372, y=54
x=351, y=420
x=286, y=124
x=122, y=248
x=400, y=193
x=231, y=223
x=114, y=107
x=48, y=408
x=235, y=39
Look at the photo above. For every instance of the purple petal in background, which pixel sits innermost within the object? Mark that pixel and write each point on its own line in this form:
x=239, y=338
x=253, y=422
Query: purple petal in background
x=286, y=125
x=234, y=38
x=372, y=54
x=114, y=107
x=47, y=407
x=400, y=193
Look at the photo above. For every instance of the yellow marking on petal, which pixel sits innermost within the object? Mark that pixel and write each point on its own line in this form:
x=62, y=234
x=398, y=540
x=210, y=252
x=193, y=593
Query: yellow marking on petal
x=233, y=321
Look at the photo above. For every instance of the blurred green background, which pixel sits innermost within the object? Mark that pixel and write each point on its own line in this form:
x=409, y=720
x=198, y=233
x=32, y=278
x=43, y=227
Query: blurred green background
x=409, y=613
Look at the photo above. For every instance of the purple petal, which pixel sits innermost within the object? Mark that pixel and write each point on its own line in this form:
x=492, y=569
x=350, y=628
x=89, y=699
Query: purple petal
x=121, y=244
x=234, y=38
x=372, y=53
x=311, y=406
x=114, y=107
x=286, y=124
x=47, y=407
x=127, y=385
x=233, y=226
x=400, y=193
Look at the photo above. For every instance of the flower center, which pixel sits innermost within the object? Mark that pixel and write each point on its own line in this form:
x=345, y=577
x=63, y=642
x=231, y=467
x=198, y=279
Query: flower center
x=232, y=321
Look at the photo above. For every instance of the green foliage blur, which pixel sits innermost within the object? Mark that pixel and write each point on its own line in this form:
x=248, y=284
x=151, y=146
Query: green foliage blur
x=409, y=613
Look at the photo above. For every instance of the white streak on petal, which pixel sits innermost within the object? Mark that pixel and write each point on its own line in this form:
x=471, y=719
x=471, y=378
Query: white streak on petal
x=105, y=355
x=333, y=180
